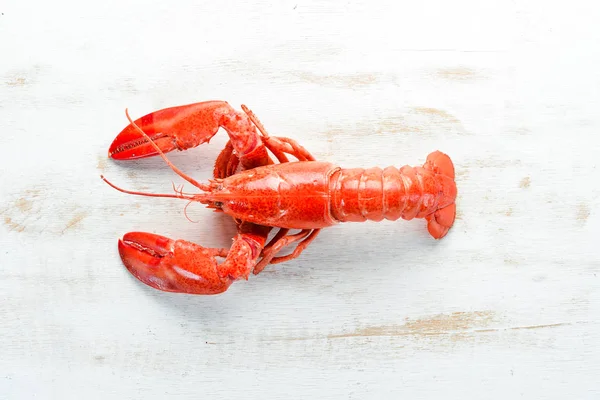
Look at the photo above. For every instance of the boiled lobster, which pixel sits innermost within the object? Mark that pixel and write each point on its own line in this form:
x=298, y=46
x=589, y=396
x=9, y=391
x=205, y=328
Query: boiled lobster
x=261, y=195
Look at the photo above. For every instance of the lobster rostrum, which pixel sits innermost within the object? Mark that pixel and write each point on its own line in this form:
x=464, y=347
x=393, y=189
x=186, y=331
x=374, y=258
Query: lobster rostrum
x=298, y=197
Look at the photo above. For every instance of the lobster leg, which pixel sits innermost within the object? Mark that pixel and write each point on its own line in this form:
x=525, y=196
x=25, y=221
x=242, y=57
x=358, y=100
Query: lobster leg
x=227, y=162
x=304, y=237
x=279, y=145
x=289, y=146
x=299, y=248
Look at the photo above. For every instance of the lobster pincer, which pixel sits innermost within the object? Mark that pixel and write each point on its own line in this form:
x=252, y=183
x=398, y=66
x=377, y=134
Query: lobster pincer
x=185, y=267
x=297, y=198
x=185, y=127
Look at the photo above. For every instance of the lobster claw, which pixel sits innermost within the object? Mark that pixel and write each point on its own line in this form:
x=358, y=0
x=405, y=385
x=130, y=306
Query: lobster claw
x=173, y=265
x=180, y=128
x=184, y=267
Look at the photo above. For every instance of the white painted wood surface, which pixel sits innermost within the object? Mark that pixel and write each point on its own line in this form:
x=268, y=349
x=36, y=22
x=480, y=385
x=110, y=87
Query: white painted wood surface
x=506, y=306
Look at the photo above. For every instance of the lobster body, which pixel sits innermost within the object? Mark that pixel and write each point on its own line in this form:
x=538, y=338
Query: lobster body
x=314, y=194
x=262, y=195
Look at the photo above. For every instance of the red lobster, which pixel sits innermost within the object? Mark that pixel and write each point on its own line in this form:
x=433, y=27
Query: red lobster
x=261, y=195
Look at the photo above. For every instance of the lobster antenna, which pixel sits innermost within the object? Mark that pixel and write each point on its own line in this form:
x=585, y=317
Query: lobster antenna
x=172, y=196
x=164, y=157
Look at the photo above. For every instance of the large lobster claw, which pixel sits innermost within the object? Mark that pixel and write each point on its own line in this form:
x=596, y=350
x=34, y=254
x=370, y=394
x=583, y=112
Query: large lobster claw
x=184, y=127
x=184, y=267
x=172, y=265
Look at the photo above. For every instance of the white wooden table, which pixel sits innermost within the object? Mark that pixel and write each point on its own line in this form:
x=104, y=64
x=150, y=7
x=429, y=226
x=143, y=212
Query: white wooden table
x=506, y=306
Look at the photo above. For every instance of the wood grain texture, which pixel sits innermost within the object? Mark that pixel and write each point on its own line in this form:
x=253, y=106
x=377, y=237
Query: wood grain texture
x=506, y=306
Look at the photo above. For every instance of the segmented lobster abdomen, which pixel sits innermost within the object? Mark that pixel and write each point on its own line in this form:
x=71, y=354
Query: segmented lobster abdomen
x=375, y=194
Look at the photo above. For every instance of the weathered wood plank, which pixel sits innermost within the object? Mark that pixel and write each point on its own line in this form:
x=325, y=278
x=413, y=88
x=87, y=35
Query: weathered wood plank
x=506, y=306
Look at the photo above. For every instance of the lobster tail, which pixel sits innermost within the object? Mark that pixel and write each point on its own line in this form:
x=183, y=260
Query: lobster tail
x=440, y=163
x=440, y=222
x=409, y=192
